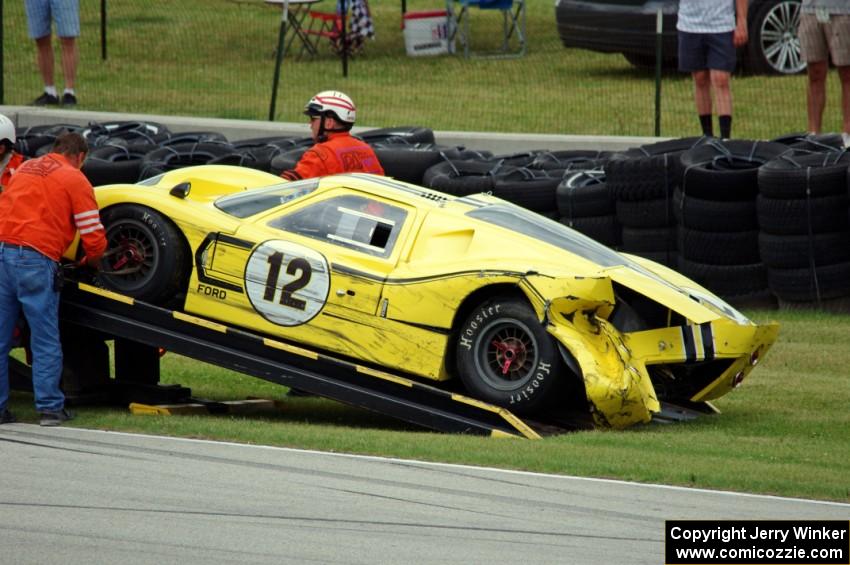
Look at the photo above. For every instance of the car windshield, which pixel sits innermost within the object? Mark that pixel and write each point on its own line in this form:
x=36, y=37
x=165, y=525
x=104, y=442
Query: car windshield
x=554, y=233
x=254, y=201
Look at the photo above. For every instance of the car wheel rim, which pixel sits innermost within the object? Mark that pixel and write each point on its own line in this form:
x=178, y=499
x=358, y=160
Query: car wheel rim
x=506, y=355
x=779, y=42
x=133, y=253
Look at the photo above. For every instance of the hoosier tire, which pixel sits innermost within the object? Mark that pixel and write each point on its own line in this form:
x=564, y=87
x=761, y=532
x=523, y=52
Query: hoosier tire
x=149, y=246
x=505, y=356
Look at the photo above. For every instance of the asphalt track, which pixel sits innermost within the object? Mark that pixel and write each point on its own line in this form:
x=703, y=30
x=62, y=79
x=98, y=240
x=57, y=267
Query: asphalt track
x=81, y=496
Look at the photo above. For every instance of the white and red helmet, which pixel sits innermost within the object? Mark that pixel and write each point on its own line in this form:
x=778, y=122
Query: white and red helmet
x=7, y=129
x=334, y=102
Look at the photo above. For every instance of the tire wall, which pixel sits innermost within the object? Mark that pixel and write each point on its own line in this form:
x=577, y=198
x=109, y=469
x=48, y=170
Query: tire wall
x=756, y=222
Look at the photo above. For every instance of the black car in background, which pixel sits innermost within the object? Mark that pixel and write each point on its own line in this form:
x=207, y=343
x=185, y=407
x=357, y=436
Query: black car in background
x=628, y=27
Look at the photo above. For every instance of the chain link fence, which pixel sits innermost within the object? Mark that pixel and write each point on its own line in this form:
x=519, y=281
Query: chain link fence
x=217, y=58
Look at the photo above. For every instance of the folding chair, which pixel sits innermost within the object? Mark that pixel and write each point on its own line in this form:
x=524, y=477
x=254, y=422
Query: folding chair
x=358, y=26
x=513, y=26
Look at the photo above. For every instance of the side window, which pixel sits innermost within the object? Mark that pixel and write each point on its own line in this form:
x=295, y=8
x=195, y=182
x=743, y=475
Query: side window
x=355, y=222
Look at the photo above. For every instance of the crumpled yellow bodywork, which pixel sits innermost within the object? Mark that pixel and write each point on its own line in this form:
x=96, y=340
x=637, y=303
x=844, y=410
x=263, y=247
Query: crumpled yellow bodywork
x=400, y=311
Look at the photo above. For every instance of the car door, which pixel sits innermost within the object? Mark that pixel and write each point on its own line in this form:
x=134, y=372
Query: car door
x=316, y=271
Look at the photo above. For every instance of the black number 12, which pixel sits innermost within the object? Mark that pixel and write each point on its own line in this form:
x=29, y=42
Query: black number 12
x=297, y=265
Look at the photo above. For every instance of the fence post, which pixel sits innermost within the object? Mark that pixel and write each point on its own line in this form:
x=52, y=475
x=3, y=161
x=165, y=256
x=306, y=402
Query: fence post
x=659, y=27
x=281, y=44
x=103, y=29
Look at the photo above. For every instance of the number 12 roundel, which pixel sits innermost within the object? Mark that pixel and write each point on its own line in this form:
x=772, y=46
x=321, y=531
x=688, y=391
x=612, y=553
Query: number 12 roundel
x=287, y=283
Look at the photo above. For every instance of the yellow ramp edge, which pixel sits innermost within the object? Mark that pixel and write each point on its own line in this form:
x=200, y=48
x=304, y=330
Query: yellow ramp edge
x=166, y=409
x=106, y=293
x=290, y=348
x=248, y=406
x=221, y=328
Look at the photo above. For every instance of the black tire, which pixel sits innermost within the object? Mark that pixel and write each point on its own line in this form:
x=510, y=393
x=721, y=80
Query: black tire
x=654, y=213
x=286, y=160
x=655, y=240
x=104, y=133
x=579, y=196
x=405, y=134
x=809, y=285
x=798, y=251
x=152, y=247
x=194, y=137
x=101, y=172
x=529, y=188
x=773, y=46
x=727, y=280
x=496, y=332
x=718, y=248
x=794, y=175
x=604, y=229
x=406, y=163
x=461, y=178
x=714, y=215
x=642, y=178
x=726, y=170
x=182, y=155
x=801, y=216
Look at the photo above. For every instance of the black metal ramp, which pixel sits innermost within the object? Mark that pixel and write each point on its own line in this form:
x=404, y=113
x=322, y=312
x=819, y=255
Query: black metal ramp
x=273, y=360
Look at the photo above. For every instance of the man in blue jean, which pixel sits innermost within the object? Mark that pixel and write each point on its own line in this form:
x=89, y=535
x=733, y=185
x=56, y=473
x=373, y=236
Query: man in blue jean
x=47, y=201
x=709, y=32
x=40, y=16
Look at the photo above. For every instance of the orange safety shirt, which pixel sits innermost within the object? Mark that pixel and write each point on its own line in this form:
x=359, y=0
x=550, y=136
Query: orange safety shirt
x=47, y=200
x=12, y=166
x=341, y=153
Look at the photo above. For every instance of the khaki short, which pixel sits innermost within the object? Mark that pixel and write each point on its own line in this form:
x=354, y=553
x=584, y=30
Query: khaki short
x=819, y=41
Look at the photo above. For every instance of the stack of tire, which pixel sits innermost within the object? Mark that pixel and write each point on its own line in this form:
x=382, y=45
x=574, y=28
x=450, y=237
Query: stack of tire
x=586, y=205
x=804, y=234
x=642, y=182
x=716, y=214
x=528, y=179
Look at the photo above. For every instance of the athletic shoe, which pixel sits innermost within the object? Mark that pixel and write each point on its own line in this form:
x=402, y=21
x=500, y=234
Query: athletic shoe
x=69, y=99
x=7, y=417
x=55, y=418
x=45, y=99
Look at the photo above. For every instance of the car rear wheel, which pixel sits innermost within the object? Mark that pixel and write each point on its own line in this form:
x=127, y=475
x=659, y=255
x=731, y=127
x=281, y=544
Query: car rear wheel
x=506, y=357
x=147, y=257
x=773, y=43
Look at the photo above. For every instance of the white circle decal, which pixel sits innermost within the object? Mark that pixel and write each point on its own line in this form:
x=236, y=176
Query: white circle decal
x=287, y=283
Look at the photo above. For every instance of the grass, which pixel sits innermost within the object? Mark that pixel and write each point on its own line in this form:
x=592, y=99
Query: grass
x=784, y=432
x=215, y=58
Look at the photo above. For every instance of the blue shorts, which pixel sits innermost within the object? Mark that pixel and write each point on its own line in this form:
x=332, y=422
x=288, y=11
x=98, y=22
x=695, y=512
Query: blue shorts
x=66, y=14
x=706, y=51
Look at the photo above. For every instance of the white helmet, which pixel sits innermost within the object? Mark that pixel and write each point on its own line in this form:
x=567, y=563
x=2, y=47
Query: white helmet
x=333, y=101
x=7, y=129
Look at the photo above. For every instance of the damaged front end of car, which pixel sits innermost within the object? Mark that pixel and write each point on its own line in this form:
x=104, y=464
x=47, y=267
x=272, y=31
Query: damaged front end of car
x=639, y=341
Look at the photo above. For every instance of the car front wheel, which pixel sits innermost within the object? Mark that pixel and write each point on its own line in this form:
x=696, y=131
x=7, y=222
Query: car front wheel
x=774, y=46
x=146, y=256
x=506, y=357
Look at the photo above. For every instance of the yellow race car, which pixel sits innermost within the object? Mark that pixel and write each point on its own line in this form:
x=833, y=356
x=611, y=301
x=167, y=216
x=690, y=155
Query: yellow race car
x=526, y=313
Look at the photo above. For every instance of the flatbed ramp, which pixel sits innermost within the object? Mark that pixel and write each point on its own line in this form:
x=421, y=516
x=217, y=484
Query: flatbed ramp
x=117, y=316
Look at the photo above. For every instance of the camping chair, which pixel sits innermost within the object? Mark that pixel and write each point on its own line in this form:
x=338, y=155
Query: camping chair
x=358, y=26
x=513, y=26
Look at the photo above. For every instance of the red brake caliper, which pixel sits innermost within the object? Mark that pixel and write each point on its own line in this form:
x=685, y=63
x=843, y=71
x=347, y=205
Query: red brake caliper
x=129, y=255
x=508, y=353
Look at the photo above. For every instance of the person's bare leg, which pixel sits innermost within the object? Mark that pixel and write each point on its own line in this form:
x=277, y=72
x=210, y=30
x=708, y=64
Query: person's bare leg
x=702, y=92
x=721, y=85
x=816, y=94
x=70, y=56
x=844, y=76
x=44, y=53
x=702, y=99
